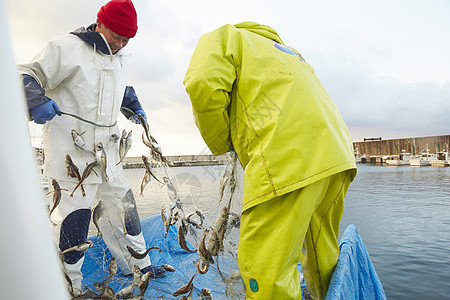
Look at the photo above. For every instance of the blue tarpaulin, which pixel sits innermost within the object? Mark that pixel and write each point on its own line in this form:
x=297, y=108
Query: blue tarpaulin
x=96, y=265
x=354, y=277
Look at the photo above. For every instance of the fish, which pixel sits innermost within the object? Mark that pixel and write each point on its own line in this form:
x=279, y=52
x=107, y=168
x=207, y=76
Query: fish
x=125, y=292
x=182, y=240
x=125, y=144
x=203, y=252
x=185, y=288
x=80, y=248
x=136, y=275
x=128, y=290
x=128, y=113
x=234, y=220
x=206, y=294
x=189, y=297
x=66, y=276
x=96, y=215
x=198, y=225
x=168, y=267
x=146, y=132
x=151, y=142
x=79, y=141
x=148, y=168
x=145, y=180
x=73, y=171
x=56, y=198
x=223, y=183
x=87, y=171
x=138, y=255
x=215, y=242
x=143, y=283
x=100, y=157
x=122, y=220
x=173, y=195
x=166, y=220
x=169, y=185
x=113, y=267
x=202, y=267
x=147, y=175
x=108, y=292
x=102, y=286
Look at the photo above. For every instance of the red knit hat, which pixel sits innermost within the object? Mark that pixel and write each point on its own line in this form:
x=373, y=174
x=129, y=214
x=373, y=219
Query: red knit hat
x=120, y=17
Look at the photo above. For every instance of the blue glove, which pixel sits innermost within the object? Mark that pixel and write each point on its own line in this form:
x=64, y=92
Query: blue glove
x=135, y=118
x=44, y=112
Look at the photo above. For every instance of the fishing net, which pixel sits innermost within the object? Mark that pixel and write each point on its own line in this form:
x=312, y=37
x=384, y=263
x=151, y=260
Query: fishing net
x=191, y=200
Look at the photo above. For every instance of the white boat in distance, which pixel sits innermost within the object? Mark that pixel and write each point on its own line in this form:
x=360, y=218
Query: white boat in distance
x=402, y=160
x=423, y=159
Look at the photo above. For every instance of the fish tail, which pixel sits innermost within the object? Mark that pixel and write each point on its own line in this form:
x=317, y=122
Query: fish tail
x=82, y=190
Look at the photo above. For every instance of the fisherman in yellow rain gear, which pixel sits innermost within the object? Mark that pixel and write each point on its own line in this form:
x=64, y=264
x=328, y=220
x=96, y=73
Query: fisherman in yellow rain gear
x=252, y=93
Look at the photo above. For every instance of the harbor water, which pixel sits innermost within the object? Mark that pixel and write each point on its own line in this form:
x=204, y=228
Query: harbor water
x=401, y=213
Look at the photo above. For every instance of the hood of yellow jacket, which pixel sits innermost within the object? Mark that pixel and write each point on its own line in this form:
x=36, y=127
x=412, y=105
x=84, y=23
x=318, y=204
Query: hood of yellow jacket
x=260, y=29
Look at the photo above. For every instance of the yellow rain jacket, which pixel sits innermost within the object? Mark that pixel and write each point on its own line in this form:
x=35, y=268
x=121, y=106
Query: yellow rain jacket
x=251, y=91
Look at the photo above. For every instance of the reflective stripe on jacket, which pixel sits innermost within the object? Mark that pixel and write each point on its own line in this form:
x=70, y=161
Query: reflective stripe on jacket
x=250, y=90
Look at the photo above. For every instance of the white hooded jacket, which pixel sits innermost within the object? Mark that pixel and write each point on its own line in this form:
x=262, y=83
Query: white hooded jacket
x=86, y=82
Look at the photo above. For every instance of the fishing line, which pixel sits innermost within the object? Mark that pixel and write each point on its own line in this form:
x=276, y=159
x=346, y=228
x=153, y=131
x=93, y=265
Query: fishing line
x=84, y=120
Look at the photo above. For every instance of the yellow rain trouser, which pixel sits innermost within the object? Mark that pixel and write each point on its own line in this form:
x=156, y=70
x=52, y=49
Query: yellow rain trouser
x=273, y=234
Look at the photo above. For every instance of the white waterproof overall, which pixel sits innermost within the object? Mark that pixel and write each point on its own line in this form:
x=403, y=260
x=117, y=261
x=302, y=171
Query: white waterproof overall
x=90, y=84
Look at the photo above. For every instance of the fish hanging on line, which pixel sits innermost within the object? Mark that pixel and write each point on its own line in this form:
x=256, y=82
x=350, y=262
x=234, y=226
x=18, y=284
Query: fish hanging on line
x=143, y=283
x=79, y=141
x=203, y=252
x=100, y=157
x=166, y=220
x=56, y=198
x=196, y=224
x=202, y=267
x=215, y=241
x=185, y=288
x=151, y=142
x=182, y=240
x=112, y=272
x=96, y=215
x=147, y=175
x=128, y=290
x=124, y=144
x=138, y=255
x=73, y=172
x=173, y=195
x=80, y=248
x=148, y=168
x=87, y=171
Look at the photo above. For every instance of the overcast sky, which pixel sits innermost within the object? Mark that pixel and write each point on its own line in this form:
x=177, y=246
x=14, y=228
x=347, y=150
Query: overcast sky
x=385, y=63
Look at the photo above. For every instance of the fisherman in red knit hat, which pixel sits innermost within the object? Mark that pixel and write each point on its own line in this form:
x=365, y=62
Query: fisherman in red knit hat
x=83, y=74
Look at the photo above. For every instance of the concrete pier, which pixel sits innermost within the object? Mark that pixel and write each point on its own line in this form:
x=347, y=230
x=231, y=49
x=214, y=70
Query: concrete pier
x=178, y=161
x=415, y=145
x=377, y=151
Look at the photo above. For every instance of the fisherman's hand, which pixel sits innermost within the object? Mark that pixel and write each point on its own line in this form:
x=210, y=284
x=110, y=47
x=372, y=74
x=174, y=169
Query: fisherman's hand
x=44, y=112
x=135, y=118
